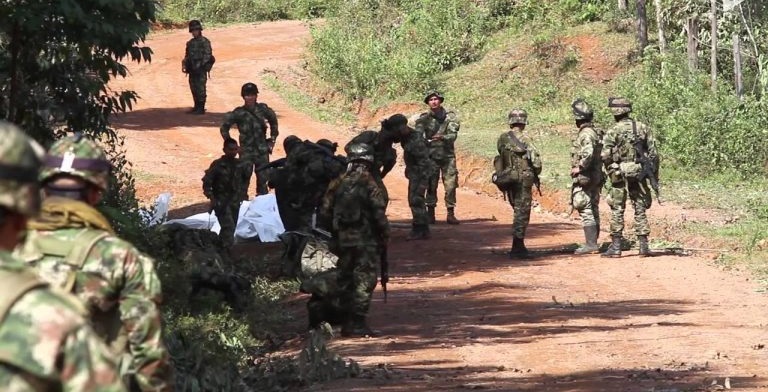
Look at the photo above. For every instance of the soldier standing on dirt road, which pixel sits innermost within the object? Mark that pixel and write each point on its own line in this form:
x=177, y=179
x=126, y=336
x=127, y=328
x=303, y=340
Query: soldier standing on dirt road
x=586, y=174
x=45, y=341
x=223, y=186
x=252, y=120
x=197, y=62
x=440, y=127
x=619, y=157
x=518, y=154
x=73, y=246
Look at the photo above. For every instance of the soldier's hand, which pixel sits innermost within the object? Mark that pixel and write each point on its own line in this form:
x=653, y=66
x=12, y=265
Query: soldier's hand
x=270, y=145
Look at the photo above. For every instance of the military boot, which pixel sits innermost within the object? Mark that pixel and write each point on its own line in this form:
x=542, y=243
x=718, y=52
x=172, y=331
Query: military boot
x=518, y=251
x=451, y=219
x=590, y=245
x=642, y=241
x=615, y=249
x=431, y=214
x=199, y=108
x=194, y=109
x=357, y=328
x=415, y=234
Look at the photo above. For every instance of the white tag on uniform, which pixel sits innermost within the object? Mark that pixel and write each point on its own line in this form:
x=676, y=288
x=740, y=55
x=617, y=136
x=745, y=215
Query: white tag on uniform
x=67, y=161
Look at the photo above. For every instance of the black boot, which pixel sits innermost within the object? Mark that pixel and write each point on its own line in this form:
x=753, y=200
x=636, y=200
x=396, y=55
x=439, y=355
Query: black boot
x=199, y=108
x=356, y=327
x=642, y=241
x=418, y=232
x=431, y=214
x=518, y=251
x=194, y=109
x=615, y=249
x=451, y=219
x=590, y=245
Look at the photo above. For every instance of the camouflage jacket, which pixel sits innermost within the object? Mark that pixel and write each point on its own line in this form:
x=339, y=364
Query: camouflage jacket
x=384, y=156
x=523, y=155
x=618, y=142
x=116, y=282
x=416, y=156
x=445, y=123
x=198, y=55
x=223, y=181
x=309, y=168
x=45, y=342
x=585, y=152
x=252, y=124
x=356, y=205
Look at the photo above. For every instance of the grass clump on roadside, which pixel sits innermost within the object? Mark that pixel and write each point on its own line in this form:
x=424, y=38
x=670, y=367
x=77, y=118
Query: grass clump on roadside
x=239, y=11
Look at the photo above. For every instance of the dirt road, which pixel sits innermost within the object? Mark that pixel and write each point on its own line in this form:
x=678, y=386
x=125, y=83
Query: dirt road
x=459, y=315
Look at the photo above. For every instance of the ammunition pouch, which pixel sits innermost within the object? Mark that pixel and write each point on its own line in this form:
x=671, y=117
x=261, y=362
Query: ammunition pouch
x=631, y=170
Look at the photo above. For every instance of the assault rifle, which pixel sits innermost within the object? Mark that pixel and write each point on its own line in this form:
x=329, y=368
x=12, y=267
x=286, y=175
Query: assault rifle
x=276, y=163
x=536, y=179
x=649, y=169
x=384, y=271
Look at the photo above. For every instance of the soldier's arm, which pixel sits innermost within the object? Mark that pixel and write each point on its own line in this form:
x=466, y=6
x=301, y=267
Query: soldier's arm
x=390, y=159
x=609, y=143
x=207, y=51
x=501, y=143
x=452, y=128
x=229, y=119
x=379, y=207
x=586, y=151
x=271, y=117
x=208, y=180
x=325, y=213
x=87, y=364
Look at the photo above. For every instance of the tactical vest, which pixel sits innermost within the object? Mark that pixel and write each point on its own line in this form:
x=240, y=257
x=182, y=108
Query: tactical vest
x=576, y=158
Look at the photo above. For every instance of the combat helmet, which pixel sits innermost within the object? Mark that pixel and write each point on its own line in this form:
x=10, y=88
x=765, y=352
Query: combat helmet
x=434, y=93
x=517, y=116
x=619, y=105
x=359, y=152
x=195, y=25
x=582, y=110
x=20, y=160
x=249, y=89
x=77, y=156
x=290, y=142
x=332, y=146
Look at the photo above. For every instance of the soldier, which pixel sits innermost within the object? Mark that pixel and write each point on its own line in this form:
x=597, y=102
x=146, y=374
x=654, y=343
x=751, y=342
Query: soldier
x=73, y=246
x=45, y=342
x=384, y=155
x=356, y=207
x=620, y=150
x=223, y=186
x=587, y=174
x=520, y=156
x=441, y=127
x=252, y=120
x=198, y=60
x=418, y=169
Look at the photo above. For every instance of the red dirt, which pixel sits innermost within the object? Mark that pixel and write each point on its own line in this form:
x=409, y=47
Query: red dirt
x=461, y=316
x=594, y=62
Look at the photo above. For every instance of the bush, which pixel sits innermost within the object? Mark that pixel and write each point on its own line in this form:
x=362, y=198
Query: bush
x=234, y=11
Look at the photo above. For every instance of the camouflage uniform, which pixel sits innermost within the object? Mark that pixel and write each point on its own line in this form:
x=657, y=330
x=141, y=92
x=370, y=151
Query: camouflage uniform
x=384, y=156
x=196, y=63
x=419, y=168
x=255, y=148
x=356, y=204
x=45, y=342
x=587, y=173
x=445, y=125
x=72, y=246
x=223, y=183
x=515, y=147
x=618, y=156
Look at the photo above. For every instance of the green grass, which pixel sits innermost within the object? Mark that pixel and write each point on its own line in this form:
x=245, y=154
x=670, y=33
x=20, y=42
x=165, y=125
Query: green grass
x=306, y=104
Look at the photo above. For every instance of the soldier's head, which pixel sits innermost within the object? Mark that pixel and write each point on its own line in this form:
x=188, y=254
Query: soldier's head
x=249, y=92
x=582, y=112
x=517, y=118
x=76, y=167
x=231, y=148
x=290, y=142
x=360, y=153
x=20, y=160
x=331, y=146
x=434, y=99
x=620, y=107
x=195, y=27
x=395, y=126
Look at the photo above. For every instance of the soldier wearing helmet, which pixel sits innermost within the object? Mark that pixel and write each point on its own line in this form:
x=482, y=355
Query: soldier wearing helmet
x=520, y=160
x=74, y=247
x=356, y=207
x=197, y=62
x=46, y=340
x=440, y=126
x=586, y=174
x=252, y=120
x=619, y=155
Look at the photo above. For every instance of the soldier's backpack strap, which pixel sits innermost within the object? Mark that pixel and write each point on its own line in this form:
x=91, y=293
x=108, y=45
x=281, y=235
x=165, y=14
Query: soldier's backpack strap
x=74, y=252
x=15, y=285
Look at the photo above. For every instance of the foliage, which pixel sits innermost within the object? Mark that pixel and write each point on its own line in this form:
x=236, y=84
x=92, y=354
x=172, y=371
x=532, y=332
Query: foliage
x=229, y=11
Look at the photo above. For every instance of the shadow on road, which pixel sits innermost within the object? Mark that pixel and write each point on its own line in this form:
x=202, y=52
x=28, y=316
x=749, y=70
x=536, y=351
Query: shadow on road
x=160, y=119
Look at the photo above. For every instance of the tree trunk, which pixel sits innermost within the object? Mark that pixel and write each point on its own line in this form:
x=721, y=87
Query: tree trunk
x=713, y=55
x=660, y=26
x=642, y=25
x=693, y=50
x=737, y=65
x=622, y=5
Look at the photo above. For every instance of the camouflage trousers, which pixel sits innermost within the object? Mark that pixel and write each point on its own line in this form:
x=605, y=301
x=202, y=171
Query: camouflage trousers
x=586, y=200
x=447, y=169
x=197, y=86
x=325, y=303
x=417, y=189
x=357, y=277
x=251, y=161
x=227, y=214
x=520, y=198
x=639, y=195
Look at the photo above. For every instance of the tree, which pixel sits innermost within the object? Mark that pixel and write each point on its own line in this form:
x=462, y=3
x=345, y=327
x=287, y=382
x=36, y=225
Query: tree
x=58, y=56
x=642, y=25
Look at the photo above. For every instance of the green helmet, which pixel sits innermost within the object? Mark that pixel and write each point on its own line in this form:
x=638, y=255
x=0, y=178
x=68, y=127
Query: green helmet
x=195, y=25
x=359, y=152
x=434, y=93
x=582, y=110
x=77, y=156
x=619, y=106
x=517, y=116
x=332, y=146
x=249, y=89
x=20, y=160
